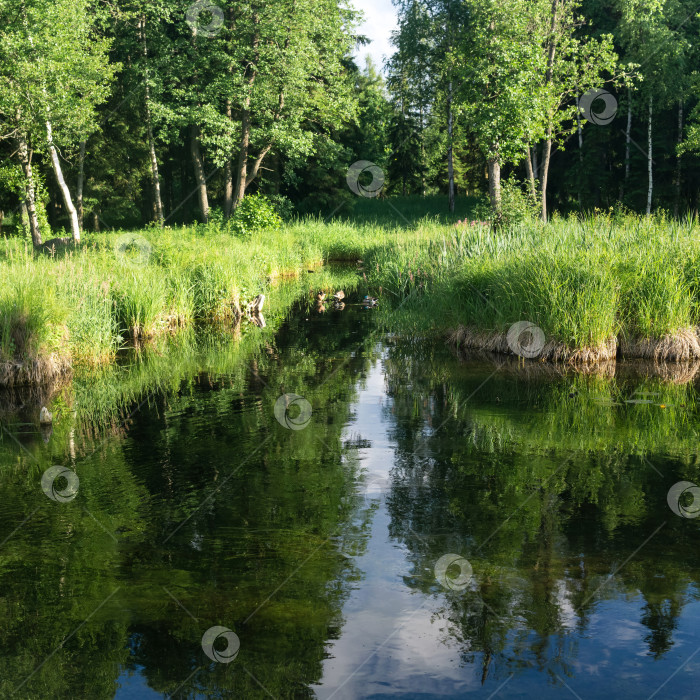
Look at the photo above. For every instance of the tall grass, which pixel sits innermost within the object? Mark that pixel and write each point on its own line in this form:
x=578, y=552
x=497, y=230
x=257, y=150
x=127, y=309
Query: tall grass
x=32, y=317
x=88, y=300
x=582, y=280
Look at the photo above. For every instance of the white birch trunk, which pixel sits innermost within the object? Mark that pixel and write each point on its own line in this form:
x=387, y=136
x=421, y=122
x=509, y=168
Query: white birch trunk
x=67, y=200
x=650, y=167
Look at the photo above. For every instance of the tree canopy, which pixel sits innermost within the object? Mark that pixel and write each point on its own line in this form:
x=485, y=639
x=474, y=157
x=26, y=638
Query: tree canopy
x=169, y=111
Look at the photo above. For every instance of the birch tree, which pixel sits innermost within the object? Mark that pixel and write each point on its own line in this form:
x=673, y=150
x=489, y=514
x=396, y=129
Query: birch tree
x=54, y=70
x=652, y=33
x=573, y=65
x=499, y=65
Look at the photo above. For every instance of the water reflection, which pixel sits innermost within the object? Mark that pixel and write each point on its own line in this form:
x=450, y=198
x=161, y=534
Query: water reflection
x=297, y=487
x=195, y=508
x=583, y=578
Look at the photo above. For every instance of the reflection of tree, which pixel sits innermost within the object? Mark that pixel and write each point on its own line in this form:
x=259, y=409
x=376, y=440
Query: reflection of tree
x=546, y=487
x=256, y=533
x=661, y=618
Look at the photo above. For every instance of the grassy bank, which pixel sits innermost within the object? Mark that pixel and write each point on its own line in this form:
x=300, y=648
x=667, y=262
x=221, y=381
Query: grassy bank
x=78, y=307
x=596, y=287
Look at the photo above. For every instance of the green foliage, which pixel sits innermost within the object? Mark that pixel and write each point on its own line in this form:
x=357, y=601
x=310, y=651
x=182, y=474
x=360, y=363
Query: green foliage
x=54, y=68
x=406, y=171
x=517, y=204
x=139, y=301
x=254, y=213
x=282, y=205
x=582, y=281
x=86, y=301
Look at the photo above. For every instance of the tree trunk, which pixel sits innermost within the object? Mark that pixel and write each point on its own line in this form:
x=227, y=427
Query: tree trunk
x=29, y=191
x=255, y=169
x=422, y=154
x=81, y=183
x=228, y=170
x=551, y=52
x=494, y=167
x=200, y=178
x=155, y=175
x=67, y=200
x=580, y=153
x=650, y=189
x=677, y=183
x=628, y=140
x=242, y=170
x=545, y=171
x=228, y=173
x=450, y=155
x=228, y=191
x=530, y=171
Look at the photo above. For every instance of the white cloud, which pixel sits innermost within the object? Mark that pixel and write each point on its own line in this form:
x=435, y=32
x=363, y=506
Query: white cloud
x=380, y=21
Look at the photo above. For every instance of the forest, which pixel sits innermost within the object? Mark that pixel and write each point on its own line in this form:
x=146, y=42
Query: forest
x=133, y=113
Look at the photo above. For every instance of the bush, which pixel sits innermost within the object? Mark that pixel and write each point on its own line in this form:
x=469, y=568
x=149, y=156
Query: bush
x=254, y=212
x=517, y=204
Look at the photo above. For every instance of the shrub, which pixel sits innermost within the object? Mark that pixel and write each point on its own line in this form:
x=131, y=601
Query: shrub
x=517, y=205
x=254, y=212
x=283, y=206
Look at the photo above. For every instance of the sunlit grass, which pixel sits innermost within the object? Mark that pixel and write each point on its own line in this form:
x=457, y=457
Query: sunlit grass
x=582, y=280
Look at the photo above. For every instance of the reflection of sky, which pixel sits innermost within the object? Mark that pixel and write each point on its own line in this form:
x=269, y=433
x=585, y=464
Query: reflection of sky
x=388, y=643
x=134, y=686
x=380, y=21
x=395, y=642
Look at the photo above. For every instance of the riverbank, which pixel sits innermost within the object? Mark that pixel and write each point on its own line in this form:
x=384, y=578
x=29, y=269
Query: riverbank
x=589, y=289
x=81, y=305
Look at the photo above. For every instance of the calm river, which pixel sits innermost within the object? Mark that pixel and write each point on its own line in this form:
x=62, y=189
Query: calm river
x=327, y=511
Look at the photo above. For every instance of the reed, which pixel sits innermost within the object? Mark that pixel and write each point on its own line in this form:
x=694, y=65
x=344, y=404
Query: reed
x=596, y=285
x=592, y=284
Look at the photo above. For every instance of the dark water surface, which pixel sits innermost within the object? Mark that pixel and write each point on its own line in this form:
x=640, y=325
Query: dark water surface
x=321, y=544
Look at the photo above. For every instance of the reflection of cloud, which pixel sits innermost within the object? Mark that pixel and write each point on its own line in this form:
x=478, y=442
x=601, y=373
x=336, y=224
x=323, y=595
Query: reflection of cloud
x=625, y=633
x=561, y=597
x=414, y=657
x=380, y=21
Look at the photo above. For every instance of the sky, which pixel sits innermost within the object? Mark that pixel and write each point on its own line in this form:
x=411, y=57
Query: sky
x=380, y=21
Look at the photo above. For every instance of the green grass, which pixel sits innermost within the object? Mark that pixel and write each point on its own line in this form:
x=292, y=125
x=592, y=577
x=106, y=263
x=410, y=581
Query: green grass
x=88, y=300
x=405, y=211
x=582, y=281
x=32, y=317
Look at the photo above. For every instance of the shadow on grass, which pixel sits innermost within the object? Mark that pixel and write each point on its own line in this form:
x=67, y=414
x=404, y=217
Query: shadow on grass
x=405, y=211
